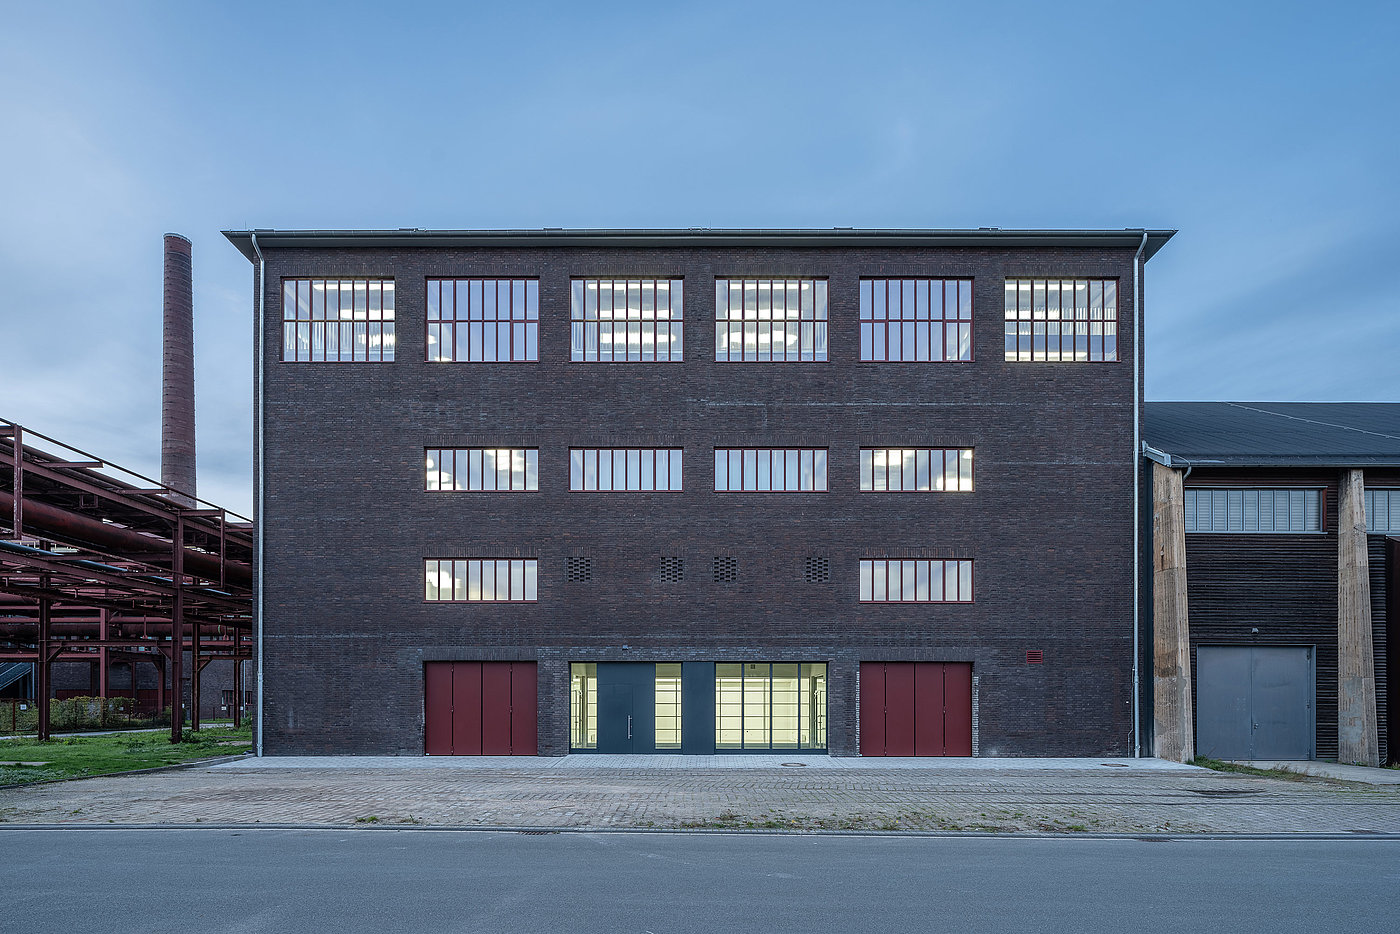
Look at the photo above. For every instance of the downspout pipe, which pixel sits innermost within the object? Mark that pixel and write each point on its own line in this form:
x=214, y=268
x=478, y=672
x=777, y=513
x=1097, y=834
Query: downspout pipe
x=1137, y=494
x=258, y=511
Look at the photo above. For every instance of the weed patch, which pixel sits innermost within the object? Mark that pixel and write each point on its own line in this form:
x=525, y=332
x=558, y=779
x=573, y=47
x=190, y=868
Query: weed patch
x=1215, y=765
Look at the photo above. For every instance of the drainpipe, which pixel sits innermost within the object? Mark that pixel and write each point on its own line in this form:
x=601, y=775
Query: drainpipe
x=1137, y=492
x=258, y=513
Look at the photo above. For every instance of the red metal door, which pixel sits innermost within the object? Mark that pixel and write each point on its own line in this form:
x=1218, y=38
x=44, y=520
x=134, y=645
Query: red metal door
x=437, y=708
x=928, y=708
x=466, y=708
x=957, y=709
x=480, y=708
x=524, y=701
x=899, y=709
x=495, y=709
x=916, y=709
x=872, y=708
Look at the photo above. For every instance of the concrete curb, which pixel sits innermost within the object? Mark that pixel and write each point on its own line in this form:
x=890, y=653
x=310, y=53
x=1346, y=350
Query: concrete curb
x=549, y=831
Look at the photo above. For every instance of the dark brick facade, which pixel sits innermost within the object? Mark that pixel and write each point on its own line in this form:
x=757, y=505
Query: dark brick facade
x=348, y=524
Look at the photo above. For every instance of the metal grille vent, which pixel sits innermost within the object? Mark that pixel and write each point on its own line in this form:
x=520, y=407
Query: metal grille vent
x=726, y=569
x=1035, y=657
x=671, y=570
x=578, y=570
x=816, y=570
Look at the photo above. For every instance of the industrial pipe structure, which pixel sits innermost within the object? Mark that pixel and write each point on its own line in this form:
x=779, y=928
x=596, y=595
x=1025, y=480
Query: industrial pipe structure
x=99, y=564
x=43, y=521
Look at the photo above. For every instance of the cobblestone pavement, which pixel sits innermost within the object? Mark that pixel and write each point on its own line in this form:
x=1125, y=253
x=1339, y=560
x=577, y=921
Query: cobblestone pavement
x=1069, y=796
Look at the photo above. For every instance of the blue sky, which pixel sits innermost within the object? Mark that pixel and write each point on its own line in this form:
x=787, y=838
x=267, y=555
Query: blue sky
x=1268, y=133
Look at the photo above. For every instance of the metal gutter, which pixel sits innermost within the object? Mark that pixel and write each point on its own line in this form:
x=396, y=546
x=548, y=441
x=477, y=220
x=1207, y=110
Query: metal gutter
x=1277, y=462
x=258, y=511
x=1152, y=454
x=1137, y=493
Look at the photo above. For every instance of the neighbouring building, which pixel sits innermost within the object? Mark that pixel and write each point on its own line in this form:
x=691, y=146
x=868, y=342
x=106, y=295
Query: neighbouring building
x=1277, y=550
x=851, y=491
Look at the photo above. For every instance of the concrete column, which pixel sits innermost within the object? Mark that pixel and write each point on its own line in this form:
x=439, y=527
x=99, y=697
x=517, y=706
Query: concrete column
x=1357, y=739
x=1173, y=733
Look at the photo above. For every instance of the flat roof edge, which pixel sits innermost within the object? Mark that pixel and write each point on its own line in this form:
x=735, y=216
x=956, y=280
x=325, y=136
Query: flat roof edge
x=696, y=237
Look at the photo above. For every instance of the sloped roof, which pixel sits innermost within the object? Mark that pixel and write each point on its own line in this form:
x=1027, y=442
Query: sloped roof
x=1262, y=434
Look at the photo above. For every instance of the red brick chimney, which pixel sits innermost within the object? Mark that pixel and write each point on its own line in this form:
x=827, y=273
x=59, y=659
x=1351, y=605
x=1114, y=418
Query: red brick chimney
x=177, y=468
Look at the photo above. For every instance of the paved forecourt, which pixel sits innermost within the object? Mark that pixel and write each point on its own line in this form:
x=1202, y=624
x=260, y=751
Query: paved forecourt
x=745, y=792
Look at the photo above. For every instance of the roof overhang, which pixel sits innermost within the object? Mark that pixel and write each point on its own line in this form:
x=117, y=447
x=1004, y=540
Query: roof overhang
x=697, y=237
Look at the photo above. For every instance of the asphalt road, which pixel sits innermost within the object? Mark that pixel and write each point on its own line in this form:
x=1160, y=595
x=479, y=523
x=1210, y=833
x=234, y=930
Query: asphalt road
x=292, y=881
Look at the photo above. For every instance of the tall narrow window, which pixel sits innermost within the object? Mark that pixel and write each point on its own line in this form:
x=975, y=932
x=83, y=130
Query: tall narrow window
x=583, y=705
x=481, y=580
x=338, y=320
x=668, y=705
x=617, y=320
x=770, y=470
x=1061, y=319
x=625, y=469
x=915, y=470
x=918, y=580
x=770, y=319
x=503, y=470
x=915, y=319
x=483, y=320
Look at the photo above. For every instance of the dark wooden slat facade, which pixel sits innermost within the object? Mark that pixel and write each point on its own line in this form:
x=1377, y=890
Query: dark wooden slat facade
x=1285, y=586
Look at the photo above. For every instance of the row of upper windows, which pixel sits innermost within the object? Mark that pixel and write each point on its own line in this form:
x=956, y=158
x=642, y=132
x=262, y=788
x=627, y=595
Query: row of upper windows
x=516, y=580
x=1226, y=510
x=641, y=320
x=759, y=470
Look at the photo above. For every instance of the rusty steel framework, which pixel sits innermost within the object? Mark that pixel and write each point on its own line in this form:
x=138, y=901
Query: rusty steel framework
x=99, y=563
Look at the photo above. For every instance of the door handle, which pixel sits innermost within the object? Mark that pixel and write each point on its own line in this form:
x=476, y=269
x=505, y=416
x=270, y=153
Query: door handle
x=629, y=726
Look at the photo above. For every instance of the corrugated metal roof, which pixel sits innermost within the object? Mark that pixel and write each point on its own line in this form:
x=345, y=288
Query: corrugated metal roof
x=693, y=237
x=1259, y=434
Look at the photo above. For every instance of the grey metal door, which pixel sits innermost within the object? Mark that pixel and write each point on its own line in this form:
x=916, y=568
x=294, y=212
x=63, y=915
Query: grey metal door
x=626, y=707
x=1255, y=702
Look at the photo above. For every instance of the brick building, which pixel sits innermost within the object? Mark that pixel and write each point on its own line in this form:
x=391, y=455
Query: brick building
x=855, y=491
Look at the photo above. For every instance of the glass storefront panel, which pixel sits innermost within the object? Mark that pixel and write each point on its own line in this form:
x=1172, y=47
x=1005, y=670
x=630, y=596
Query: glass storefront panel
x=583, y=705
x=668, y=705
x=812, y=698
x=785, y=712
x=756, y=705
x=762, y=705
x=729, y=706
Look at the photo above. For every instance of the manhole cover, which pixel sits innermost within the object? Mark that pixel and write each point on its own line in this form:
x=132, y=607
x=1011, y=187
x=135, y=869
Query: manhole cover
x=794, y=765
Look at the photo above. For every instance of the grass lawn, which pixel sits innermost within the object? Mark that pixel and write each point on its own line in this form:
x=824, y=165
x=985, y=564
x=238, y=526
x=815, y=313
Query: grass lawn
x=74, y=756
